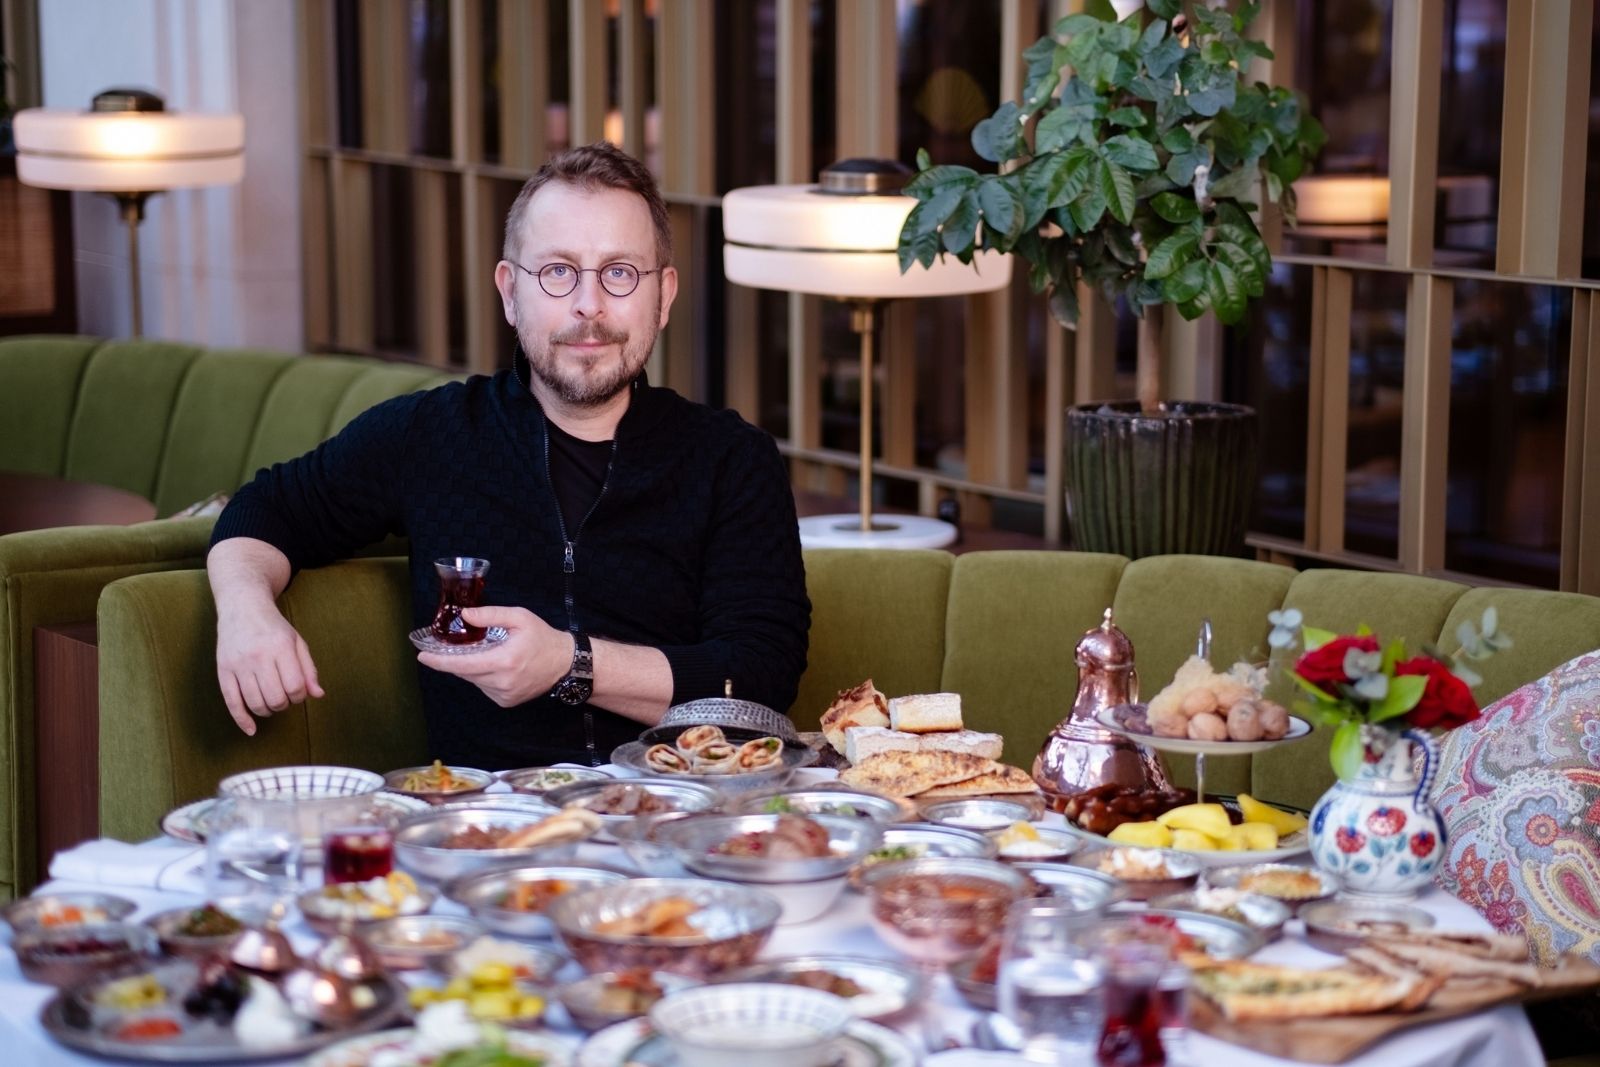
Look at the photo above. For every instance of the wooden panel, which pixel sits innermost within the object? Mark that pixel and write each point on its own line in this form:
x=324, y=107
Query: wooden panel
x=897, y=400
x=685, y=76
x=481, y=237
x=316, y=72
x=524, y=81
x=1094, y=372
x=66, y=668
x=352, y=254
x=316, y=231
x=1334, y=404
x=1425, y=425
x=431, y=265
x=1580, y=555
x=742, y=374
x=1414, y=130
x=385, y=70
x=466, y=81
x=1057, y=353
x=590, y=67
x=867, y=51
x=634, y=58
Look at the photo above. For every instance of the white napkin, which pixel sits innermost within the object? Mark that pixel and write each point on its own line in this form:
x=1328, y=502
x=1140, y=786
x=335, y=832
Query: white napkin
x=168, y=865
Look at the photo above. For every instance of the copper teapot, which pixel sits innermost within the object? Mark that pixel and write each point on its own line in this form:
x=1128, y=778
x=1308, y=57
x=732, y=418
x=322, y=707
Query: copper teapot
x=1080, y=754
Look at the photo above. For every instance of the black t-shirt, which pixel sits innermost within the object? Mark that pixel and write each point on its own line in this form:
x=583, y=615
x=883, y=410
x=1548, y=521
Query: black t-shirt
x=577, y=471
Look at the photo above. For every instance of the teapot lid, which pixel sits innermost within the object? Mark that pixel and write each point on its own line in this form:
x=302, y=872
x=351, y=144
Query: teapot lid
x=1105, y=646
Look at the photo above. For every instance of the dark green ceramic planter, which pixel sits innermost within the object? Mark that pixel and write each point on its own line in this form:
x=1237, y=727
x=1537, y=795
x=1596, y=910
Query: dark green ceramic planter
x=1181, y=481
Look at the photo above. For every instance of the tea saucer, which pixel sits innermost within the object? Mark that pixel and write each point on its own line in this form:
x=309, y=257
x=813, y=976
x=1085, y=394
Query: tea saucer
x=635, y=1044
x=424, y=640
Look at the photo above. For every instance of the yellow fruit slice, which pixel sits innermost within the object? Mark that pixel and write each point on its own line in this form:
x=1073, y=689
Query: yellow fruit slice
x=1233, y=841
x=1209, y=819
x=1192, y=841
x=1142, y=835
x=1259, y=836
x=1284, y=822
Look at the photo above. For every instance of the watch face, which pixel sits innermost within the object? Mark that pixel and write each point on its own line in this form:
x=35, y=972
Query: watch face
x=573, y=690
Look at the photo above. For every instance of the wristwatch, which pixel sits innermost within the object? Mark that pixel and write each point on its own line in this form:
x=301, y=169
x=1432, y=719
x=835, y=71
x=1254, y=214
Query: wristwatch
x=578, y=684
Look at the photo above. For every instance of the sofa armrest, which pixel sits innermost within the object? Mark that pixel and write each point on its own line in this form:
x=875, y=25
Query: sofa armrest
x=49, y=577
x=165, y=734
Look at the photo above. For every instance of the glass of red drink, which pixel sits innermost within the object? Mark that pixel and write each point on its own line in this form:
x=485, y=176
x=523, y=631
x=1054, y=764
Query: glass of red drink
x=357, y=853
x=461, y=581
x=1140, y=998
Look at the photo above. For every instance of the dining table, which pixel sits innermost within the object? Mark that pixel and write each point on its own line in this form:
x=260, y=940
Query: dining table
x=164, y=873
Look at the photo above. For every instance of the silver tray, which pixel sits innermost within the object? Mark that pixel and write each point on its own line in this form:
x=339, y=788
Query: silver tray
x=71, y=1019
x=795, y=756
x=1221, y=939
x=722, y=711
x=189, y=822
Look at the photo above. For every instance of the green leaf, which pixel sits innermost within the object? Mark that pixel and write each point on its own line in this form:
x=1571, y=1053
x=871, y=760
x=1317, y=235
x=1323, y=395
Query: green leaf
x=1393, y=653
x=1132, y=152
x=1185, y=284
x=1089, y=207
x=1128, y=117
x=1240, y=184
x=1404, y=693
x=937, y=208
x=1119, y=242
x=1116, y=185
x=960, y=230
x=1064, y=305
x=1170, y=254
x=1165, y=9
x=916, y=247
x=1100, y=9
x=1175, y=208
x=1216, y=53
x=1245, y=267
x=998, y=137
x=943, y=174
x=1056, y=130
x=1002, y=206
x=1227, y=293
x=1180, y=168
x=1346, y=751
x=1316, y=692
x=1314, y=638
x=1163, y=59
x=924, y=161
x=1153, y=35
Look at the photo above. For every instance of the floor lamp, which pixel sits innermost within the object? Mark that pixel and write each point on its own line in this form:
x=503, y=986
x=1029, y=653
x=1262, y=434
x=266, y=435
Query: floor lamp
x=130, y=147
x=837, y=239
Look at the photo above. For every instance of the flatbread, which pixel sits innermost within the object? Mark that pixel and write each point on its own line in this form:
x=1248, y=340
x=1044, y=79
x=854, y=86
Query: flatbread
x=1249, y=991
x=862, y=705
x=1001, y=779
x=905, y=774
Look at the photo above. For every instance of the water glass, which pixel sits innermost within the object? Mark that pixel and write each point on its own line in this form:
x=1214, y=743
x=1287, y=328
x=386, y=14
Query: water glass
x=253, y=854
x=1049, y=981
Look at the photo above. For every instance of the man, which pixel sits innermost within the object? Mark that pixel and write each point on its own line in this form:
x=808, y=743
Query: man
x=643, y=548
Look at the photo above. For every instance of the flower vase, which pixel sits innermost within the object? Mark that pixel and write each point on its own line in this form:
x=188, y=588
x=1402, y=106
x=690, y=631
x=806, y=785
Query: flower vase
x=1379, y=833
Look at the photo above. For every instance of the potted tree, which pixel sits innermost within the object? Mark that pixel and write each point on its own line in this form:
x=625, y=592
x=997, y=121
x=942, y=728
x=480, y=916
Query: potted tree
x=1134, y=162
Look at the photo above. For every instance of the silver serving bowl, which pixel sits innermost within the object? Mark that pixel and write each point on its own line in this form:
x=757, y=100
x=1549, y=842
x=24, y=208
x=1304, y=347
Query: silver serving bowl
x=418, y=843
x=1084, y=889
x=1052, y=847
x=1221, y=938
x=806, y=887
x=1336, y=926
x=31, y=913
x=682, y=794
x=984, y=814
x=824, y=801
x=324, y=914
x=485, y=894
x=911, y=912
x=731, y=923
x=1249, y=909
x=504, y=802
x=889, y=989
x=584, y=1002
x=477, y=781
x=795, y=756
x=1182, y=870
x=923, y=840
x=166, y=924
x=414, y=942
x=640, y=841
x=68, y=956
x=538, y=781
x=1236, y=876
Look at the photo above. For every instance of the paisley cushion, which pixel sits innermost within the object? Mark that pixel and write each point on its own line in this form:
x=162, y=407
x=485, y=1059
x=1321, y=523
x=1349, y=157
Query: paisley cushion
x=1519, y=791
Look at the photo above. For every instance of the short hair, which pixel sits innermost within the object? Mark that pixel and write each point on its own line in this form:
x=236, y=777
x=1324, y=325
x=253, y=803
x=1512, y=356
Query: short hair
x=594, y=166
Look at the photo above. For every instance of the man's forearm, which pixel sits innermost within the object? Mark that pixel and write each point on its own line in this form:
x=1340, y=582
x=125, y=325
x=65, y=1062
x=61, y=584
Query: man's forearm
x=632, y=680
x=246, y=574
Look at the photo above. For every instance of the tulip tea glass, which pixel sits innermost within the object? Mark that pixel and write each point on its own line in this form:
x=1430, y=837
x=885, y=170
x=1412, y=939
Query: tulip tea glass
x=1145, y=991
x=461, y=581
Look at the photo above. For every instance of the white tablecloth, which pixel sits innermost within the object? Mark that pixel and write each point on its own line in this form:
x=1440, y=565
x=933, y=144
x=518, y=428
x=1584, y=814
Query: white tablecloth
x=1500, y=1038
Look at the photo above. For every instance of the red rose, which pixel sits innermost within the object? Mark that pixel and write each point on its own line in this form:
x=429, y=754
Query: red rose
x=1324, y=667
x=1446, y=702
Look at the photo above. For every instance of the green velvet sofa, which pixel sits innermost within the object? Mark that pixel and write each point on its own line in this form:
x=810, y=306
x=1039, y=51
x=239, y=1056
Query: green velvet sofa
x=172, y=422
x=997, y=627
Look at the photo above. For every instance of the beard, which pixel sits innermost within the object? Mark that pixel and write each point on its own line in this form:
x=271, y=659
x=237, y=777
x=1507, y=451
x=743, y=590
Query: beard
x=589, y=384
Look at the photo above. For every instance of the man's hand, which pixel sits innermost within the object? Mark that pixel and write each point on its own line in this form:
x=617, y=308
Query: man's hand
x=532, y=659
x=263, y=665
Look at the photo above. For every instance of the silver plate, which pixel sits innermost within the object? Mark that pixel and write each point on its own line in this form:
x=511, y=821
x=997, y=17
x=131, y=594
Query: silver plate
x=188, y=823
x=553, y=1050
x=72, y=1019
x=891, y=988
x=1298, y=728
x=685, y=792
x=933, y=841
x=826, y=801
x=726, y=712
x=23, y=915
x=425, y=641
x=418, y=848
x=481, y=893
x=695, y=841
x=1222, y=939
x=795, y=756
x=1086, y=890
x=535, y=781
x=634, y=1044
x=1289, y=845
x=979, y=814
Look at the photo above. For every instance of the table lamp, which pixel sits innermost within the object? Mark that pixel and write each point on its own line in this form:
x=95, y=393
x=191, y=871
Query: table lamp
x=130, y=147
x=838, y=239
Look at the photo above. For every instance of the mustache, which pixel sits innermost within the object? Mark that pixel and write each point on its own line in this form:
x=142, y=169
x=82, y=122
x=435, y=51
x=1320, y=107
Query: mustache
x=589, y=334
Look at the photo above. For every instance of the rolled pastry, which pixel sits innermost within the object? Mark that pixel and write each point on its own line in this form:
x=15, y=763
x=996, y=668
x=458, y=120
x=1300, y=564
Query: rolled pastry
x=569, y=824
x=696, y=738
x=760, y=753
x=664, y=759
x=718, y=757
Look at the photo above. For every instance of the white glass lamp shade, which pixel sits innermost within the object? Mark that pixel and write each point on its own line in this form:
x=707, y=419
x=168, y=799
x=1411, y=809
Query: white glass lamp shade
x=798, y=239
x=127, y=152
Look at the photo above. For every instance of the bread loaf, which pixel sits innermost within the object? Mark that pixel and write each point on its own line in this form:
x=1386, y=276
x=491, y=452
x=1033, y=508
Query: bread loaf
x=925, y=713
x=862, y=705
x=862, y=742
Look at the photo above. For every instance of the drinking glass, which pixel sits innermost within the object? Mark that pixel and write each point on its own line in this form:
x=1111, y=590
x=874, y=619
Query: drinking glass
x=461, y=581
x=357, y=853
x=1049, y=981
x=1145, y=991
x=253, y=854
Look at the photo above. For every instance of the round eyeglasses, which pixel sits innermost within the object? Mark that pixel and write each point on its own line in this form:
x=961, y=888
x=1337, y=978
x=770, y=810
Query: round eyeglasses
x=560, y=279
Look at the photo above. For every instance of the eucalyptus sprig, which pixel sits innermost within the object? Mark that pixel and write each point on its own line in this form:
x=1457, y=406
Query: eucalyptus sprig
x=1133, y=161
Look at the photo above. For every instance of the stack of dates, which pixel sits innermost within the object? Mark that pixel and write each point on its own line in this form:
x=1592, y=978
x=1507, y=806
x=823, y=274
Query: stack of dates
x=1104, y=808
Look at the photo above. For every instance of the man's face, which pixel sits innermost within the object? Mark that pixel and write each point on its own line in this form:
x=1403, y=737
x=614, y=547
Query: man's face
x=587, y=346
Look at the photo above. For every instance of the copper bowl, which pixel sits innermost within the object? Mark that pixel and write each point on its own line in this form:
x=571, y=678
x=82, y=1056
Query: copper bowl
x=732, y=924
x=67, y=957
x=939, y=910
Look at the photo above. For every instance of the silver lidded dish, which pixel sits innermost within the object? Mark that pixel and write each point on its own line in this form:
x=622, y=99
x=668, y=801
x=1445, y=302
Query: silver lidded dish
x=50, y=911
x=795, y=756
x=475, y=782
x=418, y=842
x=682, y=795
x=724, y=711
x=538, y=781
x=731, y=924
x=486, y=894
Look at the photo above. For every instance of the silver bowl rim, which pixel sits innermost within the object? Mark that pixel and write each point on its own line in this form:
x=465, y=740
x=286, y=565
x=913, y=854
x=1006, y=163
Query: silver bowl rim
x=567, y=795
x=457, y=889
x=470, y=928
x=392, y=780
x=759, y=871
x=584, y=774
x=969, y=866
x=768, y=910
x=17, y=913
x=744, y=804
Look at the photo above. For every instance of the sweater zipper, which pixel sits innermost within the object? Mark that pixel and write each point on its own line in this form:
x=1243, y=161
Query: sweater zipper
x=569, y=566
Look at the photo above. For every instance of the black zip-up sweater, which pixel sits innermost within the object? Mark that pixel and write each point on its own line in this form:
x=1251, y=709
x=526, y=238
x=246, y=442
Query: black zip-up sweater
x=691, y=547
